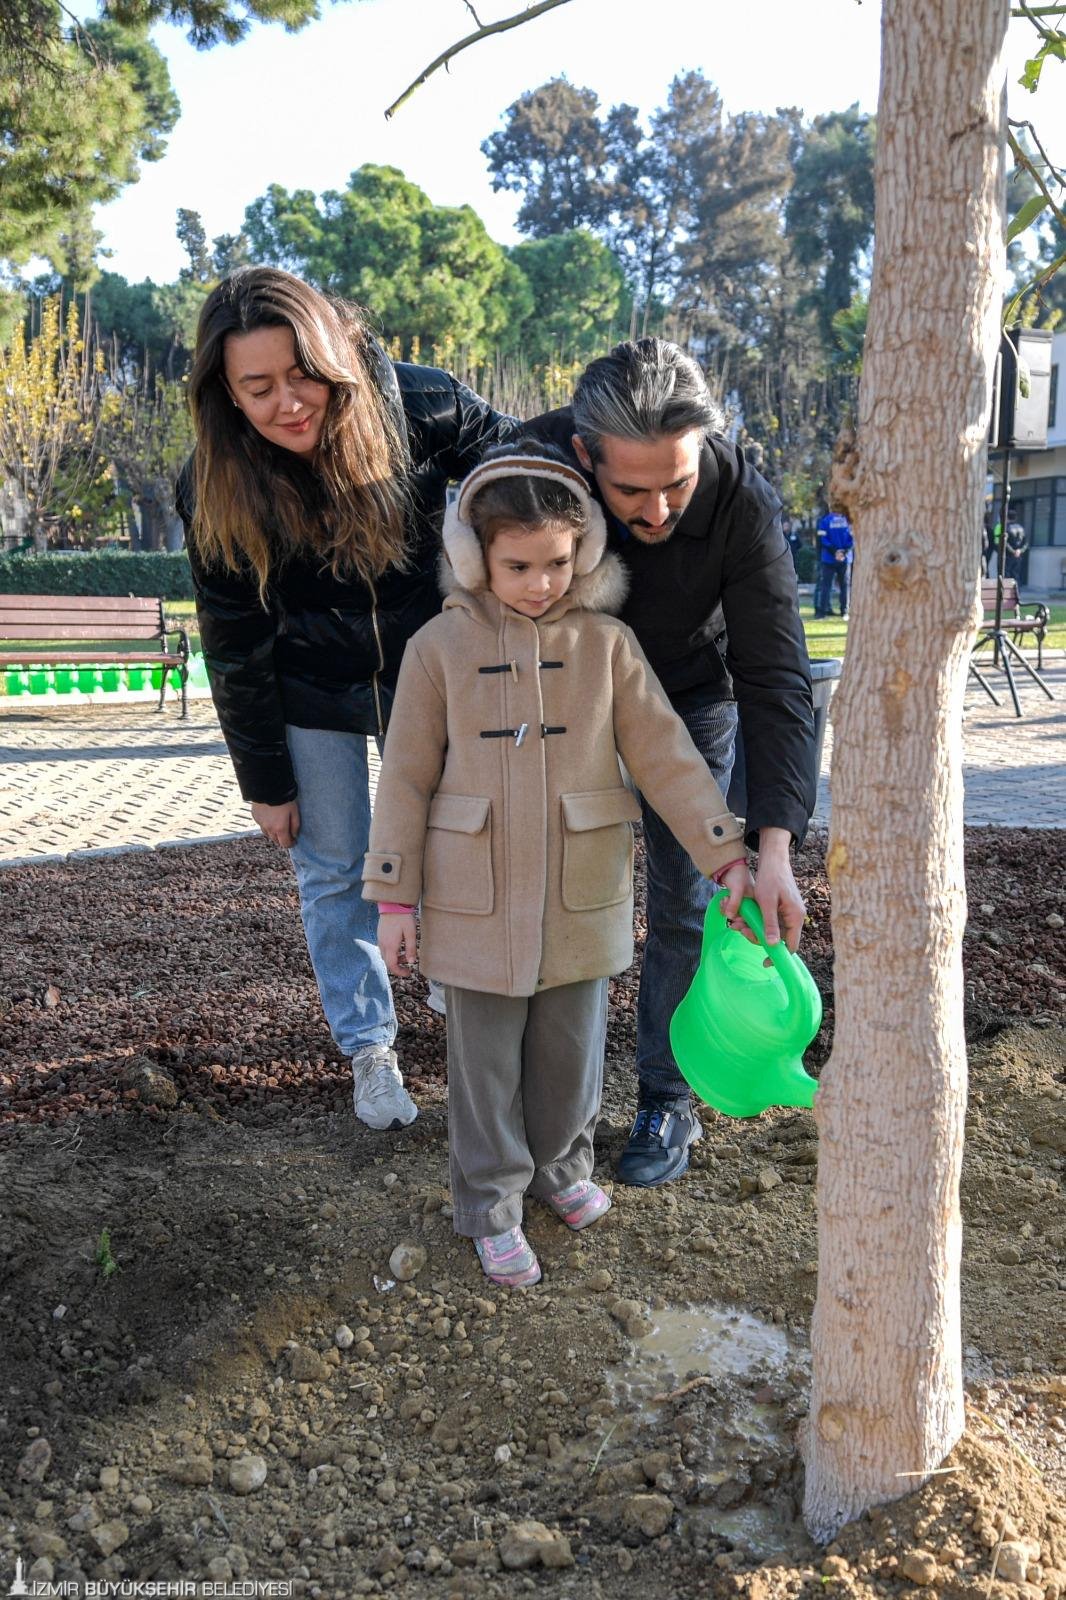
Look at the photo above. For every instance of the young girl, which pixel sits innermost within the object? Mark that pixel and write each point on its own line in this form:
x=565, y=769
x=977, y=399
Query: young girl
x=501, y=807
x=309, y=508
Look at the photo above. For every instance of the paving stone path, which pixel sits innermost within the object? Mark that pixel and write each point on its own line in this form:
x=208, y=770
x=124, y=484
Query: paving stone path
x=1014, y=769
x=95, y=777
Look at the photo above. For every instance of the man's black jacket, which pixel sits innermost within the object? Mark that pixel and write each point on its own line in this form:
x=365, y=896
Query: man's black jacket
x=325, y=652
x=726, y=552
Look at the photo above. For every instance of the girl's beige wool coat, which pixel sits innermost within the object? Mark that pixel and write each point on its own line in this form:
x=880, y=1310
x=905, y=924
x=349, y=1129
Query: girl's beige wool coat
x=501, y=806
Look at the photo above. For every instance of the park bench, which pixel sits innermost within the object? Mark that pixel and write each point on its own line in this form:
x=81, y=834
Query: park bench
x=1014, y=621
x=130, y=630
x=1017, y=623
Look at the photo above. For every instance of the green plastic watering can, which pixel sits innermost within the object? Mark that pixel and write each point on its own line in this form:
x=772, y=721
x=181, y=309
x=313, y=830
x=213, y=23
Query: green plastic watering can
x=741, y=1030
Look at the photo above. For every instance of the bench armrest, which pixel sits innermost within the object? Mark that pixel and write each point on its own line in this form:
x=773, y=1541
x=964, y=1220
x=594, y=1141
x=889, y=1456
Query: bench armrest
x=179, y=631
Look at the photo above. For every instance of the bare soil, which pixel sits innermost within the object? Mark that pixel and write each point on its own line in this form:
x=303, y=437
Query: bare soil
x=211, y=1371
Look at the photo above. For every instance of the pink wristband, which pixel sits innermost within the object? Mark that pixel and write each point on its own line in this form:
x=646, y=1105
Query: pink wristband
x=716, y=877
x=392, y=910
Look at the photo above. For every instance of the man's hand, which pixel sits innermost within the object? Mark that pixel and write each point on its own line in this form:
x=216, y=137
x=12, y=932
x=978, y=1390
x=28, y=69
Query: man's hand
x=397, y=942
x=280, y=824
x=776, y=893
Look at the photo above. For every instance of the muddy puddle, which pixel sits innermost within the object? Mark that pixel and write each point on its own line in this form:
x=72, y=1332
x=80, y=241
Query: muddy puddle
x=745, y=1382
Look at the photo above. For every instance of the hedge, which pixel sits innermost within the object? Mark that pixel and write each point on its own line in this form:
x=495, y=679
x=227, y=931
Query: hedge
x=157, y=572
x=806, y=559
x=99, y=572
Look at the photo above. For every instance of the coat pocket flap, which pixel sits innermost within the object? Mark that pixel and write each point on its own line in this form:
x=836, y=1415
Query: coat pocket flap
x=381, y=868
x=458, y=813
x=599, y=809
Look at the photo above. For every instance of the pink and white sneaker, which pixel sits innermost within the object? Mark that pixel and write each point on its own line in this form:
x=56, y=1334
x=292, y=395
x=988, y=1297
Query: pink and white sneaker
x=508, y=1259
x=583, y=1202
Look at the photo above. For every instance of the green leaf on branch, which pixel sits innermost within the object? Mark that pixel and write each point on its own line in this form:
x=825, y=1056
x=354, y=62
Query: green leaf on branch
x=1026, y=216
x=1054, y=45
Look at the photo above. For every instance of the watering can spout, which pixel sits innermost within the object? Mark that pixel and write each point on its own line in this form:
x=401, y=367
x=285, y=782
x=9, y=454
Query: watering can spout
x=798, y=1087
x=739, y=1034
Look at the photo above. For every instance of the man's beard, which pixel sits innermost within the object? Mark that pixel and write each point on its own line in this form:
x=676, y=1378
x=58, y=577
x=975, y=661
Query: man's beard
x=649, y=535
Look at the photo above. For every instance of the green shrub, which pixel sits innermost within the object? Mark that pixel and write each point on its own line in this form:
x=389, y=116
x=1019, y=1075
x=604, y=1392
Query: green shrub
x=100, y=572
x=806, y=559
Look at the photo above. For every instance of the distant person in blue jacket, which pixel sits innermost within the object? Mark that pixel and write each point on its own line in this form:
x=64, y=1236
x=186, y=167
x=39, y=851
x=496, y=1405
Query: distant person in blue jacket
x=835, y=551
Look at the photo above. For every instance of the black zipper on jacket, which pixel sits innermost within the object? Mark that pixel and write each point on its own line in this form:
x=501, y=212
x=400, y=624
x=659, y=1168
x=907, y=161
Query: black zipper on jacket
x=374, y=684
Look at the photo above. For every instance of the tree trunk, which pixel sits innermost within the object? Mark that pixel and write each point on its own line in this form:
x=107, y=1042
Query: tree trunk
x=887, y=1398
x=152, y=505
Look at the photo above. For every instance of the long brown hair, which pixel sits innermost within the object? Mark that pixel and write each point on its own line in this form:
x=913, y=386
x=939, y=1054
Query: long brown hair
x=254, y=507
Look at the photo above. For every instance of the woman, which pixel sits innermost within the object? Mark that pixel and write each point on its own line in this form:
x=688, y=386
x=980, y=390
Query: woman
x=311, y=507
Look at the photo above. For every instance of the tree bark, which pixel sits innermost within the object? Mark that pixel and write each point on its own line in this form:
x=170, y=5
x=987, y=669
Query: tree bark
x=887, y=1397
x=153, y=519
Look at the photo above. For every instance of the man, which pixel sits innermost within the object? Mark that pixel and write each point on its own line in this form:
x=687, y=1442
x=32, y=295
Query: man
x=835, y=554
x=699, y=532
x=793, y=538
x=1017, y=545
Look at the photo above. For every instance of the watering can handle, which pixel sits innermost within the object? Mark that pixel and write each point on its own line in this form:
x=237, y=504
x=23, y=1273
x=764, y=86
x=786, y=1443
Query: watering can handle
x=799, y=997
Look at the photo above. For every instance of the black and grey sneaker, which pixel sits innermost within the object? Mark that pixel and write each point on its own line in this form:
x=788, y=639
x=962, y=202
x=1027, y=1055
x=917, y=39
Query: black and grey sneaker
x=658, y=1143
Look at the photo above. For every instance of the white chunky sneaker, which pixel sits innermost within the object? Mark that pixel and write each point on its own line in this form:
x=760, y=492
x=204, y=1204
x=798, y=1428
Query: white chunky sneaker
x=381, y=1101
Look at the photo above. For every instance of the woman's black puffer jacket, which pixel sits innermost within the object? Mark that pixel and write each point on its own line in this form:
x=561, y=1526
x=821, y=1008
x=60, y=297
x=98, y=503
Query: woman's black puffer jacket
x=325, y=652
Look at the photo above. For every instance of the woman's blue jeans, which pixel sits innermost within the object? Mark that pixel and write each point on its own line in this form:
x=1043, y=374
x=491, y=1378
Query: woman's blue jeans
x=341, y=927
x=678, y=896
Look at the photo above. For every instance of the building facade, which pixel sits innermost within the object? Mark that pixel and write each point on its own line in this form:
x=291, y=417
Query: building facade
x=1038, y=489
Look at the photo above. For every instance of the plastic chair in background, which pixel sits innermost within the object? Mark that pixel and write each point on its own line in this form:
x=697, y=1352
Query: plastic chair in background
x=739, y=1034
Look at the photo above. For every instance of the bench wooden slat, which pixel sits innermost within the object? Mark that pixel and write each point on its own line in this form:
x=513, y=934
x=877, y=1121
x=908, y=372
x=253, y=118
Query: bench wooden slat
x=106, y=628
x=62, y=657
x=988, y=593
x=77, y=602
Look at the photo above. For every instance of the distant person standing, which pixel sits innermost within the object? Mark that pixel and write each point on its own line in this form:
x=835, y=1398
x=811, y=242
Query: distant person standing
x=1016, y=545
x=835, y=551
x=989, y=542
x=793, y=538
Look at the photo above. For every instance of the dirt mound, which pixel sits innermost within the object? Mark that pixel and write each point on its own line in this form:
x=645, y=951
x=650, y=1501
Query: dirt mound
x=213, y=1370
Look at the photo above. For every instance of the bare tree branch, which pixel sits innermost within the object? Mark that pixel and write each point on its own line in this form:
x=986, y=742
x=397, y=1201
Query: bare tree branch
x=1022, y=158
x=483, y=32
x=1034, y=13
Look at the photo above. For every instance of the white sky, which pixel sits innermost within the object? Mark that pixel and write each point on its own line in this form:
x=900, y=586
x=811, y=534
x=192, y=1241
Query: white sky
x=304, y=110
